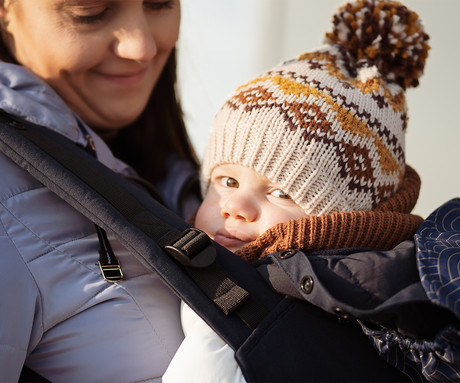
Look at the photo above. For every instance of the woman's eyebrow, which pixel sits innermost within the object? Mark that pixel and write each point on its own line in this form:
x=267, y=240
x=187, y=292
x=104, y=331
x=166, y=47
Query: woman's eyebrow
x=82, y=3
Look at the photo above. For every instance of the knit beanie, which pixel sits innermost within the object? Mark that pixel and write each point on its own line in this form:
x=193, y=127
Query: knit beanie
x=328, y=127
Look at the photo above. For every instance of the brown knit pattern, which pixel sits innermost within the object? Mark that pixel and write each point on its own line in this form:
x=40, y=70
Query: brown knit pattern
x=382, y=228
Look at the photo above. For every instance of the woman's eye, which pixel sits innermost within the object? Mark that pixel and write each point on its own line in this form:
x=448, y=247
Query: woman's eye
x=229, y=182
x=278, y=193
x=89, y=18
x=159, y=5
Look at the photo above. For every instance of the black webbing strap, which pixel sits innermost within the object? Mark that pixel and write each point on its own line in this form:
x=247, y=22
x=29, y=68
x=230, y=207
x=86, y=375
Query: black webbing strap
x=108, y=262
x=192, y=248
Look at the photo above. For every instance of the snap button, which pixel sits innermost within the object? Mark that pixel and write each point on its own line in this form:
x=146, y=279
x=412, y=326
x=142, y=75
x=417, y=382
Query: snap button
x=286, y=254
x=307, y=284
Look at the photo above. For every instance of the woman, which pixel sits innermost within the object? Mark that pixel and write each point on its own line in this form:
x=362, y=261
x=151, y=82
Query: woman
x=100, y=71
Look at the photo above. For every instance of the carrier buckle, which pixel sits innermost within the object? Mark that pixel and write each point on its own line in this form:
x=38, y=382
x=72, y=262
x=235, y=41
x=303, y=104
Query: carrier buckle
x=193, y=248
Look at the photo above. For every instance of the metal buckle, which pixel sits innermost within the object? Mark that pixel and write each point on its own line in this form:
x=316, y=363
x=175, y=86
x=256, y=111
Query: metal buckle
x=193, y=248
x=111, y=273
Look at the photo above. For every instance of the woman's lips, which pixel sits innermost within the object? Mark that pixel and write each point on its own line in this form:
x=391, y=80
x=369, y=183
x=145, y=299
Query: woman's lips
x=126, y=79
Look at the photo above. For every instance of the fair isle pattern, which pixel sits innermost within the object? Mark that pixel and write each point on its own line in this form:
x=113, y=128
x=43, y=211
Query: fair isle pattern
x=333, y=142
x=329, y=127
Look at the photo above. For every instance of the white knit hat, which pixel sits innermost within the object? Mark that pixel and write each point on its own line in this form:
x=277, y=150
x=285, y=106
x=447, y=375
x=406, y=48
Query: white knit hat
x=328, y=127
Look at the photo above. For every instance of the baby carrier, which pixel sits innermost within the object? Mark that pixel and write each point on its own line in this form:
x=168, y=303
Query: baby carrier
x=278, y=337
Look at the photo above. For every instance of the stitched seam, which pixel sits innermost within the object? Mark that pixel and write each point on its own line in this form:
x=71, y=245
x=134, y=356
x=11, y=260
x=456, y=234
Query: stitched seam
x=34, y=187
x=51, y=246
x=27, y=267
x=370, y=296
x=10, y=347
x=147, y=380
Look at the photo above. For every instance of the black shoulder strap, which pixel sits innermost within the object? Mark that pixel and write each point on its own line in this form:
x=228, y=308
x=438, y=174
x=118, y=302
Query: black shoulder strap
x=143, y=225
x=235, y=297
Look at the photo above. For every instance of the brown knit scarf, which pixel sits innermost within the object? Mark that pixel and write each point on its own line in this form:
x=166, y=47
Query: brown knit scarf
x=382, y=228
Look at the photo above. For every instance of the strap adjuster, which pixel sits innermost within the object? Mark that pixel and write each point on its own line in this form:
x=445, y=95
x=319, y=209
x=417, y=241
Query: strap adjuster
x=193, y=248
x=111, y=273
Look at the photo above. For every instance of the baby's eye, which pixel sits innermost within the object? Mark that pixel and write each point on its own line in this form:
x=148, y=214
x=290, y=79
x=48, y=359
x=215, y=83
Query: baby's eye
x=229, y=182
x=280, y=194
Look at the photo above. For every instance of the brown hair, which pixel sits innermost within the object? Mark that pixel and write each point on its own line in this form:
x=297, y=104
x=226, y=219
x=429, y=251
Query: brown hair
x=5, y=54
x=158, y=133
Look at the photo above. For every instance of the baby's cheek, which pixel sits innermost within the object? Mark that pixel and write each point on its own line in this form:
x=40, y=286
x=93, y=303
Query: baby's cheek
x=206, y=217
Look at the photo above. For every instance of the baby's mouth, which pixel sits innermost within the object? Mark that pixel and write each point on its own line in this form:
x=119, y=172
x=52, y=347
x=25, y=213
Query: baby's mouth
x=231, y=239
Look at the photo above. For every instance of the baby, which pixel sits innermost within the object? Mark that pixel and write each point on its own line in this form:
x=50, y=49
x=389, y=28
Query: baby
x=310, y=155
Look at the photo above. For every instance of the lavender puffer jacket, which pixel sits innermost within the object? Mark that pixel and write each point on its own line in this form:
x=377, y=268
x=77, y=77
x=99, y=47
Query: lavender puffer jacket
x=57, y=315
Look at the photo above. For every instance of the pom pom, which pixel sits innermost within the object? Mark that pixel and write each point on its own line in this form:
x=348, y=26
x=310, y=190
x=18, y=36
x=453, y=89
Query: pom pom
x=386, y=34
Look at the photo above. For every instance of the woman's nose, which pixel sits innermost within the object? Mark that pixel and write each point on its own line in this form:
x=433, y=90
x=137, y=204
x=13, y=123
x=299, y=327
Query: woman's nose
x=240, y=206
x=135, y=42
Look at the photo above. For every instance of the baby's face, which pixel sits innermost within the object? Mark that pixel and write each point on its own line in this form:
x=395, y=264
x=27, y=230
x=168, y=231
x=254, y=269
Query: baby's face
x=241, y=204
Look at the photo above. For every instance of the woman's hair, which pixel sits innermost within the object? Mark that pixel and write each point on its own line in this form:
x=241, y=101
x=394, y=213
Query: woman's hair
x=157, y=134
x=5, y=54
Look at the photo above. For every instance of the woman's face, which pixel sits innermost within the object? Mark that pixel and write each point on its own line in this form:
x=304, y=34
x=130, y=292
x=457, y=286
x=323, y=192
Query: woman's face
x=103, y=57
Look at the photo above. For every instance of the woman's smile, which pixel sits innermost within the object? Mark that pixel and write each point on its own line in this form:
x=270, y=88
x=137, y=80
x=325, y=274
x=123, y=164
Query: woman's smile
x=129, y=78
